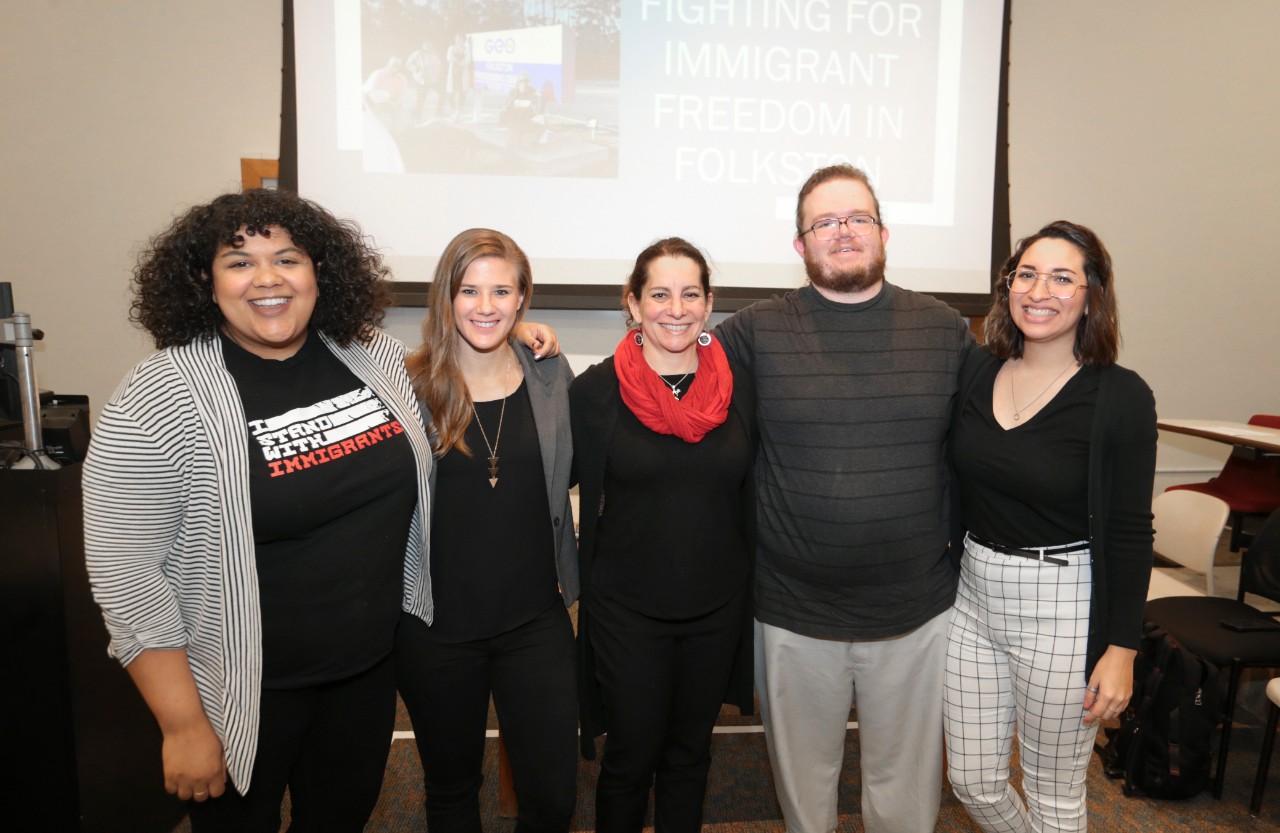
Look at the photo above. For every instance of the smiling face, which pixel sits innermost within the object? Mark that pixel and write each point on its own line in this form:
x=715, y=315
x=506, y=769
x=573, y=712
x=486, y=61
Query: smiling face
x=266, y=290
x=1042, y=318
x=487, y=303
x=672, y=310
x=848, y=264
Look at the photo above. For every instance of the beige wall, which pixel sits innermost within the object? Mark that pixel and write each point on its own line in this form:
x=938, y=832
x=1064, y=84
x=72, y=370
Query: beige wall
x=114, y=115
x=1150, y=120
x=1154, y=121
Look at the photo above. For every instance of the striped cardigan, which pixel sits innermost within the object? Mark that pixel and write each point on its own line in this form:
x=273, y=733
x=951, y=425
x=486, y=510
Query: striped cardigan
x=168, y=528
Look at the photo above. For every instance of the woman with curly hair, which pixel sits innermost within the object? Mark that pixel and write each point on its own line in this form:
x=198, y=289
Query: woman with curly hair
x=504, y=564
x=255, y=498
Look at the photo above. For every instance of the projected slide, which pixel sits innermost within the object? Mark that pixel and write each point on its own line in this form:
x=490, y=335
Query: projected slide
x=587, y=129
x=469, y=101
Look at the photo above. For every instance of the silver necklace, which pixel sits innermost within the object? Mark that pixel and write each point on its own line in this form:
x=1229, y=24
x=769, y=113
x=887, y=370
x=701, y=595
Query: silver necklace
x=497, y=438
x=675, y=389
x=1013, y=395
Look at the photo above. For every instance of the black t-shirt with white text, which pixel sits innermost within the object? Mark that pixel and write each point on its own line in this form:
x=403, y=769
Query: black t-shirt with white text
x=333, y=489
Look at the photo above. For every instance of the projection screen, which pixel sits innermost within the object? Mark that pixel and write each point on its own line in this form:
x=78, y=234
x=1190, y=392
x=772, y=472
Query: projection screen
x=587, y=129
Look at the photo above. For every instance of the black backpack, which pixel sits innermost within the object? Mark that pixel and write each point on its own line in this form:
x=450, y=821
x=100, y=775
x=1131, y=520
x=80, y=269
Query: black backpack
x=1163, y=746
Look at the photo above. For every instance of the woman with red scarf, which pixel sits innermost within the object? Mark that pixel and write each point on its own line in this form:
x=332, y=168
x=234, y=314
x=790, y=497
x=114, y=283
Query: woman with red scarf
x=664, y=439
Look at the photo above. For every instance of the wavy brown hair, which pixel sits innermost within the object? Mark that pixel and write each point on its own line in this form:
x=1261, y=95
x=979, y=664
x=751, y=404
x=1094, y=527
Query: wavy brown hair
x=433, y=367
x=173, y=291
x=1097, y=334
x=666, y=247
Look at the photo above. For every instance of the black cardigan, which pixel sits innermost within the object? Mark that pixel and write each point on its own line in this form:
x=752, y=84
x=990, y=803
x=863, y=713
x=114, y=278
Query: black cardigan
x=1122, y=463
x=594, y=405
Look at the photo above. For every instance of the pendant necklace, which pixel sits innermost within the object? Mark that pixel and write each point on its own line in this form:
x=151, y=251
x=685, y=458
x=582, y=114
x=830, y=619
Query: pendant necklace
x=675, y=389
x=497, y=438
x=1013, y=396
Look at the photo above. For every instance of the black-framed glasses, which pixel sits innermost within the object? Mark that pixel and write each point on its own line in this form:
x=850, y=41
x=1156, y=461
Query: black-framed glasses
x=1061, y=285
x=857, y=224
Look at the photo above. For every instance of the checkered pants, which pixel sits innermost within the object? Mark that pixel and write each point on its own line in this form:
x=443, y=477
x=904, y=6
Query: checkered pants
x=1016, y=658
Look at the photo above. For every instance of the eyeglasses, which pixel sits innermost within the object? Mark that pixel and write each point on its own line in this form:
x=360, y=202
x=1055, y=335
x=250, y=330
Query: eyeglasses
x=1060, y=284
x=858, y=224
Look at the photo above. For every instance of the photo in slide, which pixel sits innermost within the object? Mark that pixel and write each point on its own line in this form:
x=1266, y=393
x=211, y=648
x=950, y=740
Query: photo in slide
x=491, y=87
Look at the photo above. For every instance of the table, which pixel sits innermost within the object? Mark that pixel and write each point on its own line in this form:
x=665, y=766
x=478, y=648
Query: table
x=1265, y=442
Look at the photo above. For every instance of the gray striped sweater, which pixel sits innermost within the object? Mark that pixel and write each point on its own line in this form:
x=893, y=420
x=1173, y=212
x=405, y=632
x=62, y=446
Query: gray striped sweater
x=168, y=533
x=853, y=408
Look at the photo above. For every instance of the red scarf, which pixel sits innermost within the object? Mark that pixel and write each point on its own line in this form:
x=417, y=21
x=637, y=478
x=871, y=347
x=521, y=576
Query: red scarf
x=691, y=418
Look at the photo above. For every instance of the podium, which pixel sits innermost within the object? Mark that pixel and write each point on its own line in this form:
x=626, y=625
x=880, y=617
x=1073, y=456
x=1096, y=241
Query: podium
x=82, y=748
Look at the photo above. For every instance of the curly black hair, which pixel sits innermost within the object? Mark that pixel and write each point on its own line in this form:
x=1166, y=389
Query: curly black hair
x=172, y=286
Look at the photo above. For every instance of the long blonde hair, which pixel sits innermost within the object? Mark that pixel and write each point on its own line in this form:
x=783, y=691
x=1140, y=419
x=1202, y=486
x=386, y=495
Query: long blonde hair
x=433, y=367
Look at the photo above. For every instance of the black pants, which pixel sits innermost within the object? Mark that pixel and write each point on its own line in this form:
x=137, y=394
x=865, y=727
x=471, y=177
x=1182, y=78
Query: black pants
x=663, y=682
x=446, y=687
x=328, y=744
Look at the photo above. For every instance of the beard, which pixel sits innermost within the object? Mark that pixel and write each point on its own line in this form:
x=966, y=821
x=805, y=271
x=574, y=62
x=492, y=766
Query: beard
x=853, y=279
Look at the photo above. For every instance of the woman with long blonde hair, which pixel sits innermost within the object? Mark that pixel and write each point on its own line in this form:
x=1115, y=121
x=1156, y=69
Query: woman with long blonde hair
x=503, y=560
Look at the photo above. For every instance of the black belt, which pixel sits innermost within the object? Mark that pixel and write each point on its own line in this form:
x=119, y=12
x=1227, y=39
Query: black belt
x=1037, y=554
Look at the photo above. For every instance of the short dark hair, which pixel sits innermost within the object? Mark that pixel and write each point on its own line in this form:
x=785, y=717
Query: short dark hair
x=1097, y=334
x=822, y=175
x=173, y=288
x=666, y=247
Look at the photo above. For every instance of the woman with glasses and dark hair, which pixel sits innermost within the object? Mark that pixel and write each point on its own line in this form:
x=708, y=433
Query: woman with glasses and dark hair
x=504, y=562
x=664, y=438
x=1053, y=446
x=254, y=502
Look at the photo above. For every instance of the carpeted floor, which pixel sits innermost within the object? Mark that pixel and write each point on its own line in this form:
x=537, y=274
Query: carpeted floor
x=741, y=799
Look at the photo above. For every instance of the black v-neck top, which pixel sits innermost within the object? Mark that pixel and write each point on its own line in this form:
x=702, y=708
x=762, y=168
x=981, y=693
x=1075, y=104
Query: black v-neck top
x=492, y=549
x=1027, y=485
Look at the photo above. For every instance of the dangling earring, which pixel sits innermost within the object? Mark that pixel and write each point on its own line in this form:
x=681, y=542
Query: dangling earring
x=639, y=338
x=704, y=338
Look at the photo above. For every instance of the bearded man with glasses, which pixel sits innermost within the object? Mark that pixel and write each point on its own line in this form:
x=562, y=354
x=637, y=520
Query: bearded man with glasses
x=854, y=379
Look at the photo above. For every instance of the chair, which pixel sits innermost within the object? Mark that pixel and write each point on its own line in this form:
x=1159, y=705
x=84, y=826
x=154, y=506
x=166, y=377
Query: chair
x=1196, y=623
x=1250, y=486
x=1268, y=742
x=1188, y=525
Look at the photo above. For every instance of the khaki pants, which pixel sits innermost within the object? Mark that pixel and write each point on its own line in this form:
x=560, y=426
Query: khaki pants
x=806, y=686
